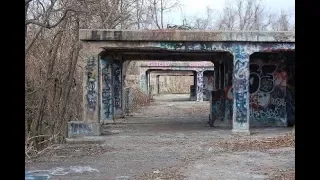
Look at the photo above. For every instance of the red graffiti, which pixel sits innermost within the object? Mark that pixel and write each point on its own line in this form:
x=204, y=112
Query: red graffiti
x=280, y=78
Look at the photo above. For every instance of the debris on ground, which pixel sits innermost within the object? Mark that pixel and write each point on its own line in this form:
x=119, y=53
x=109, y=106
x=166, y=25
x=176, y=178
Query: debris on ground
x=69, y=151
x=287, y=140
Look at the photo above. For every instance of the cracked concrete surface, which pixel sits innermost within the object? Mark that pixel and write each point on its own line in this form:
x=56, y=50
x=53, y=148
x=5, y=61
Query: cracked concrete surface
x=170, y=139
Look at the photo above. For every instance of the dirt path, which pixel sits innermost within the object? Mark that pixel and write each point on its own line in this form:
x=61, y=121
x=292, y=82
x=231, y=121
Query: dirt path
x=170, y=139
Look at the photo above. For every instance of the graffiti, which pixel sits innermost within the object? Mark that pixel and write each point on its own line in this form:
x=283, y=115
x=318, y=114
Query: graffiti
x=107, y=90
x=188, y=46
x=199, y=64
x=267, y=92
x=280, y=78
x=91, y=84
x=159, y=63
x=263, y=99
x=117, y=86
x=278, y=47
x=200, y=85
x=46, y=174
x=241, y=108
x=278, y=102
x=261, y=78
x=241, y=84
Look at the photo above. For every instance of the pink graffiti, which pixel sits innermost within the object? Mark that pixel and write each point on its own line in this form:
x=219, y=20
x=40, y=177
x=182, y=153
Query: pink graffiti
x=158, y=64
x=197, y=64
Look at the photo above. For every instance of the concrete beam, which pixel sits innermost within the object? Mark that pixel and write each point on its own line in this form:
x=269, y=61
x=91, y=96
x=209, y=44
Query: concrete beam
x=185, y=35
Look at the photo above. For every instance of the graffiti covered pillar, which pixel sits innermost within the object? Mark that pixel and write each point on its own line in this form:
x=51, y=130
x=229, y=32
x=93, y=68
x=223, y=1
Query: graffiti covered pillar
x=107, y=91
x=117, y=88
x=90, y=90
x=200, y=85
x=241, y=111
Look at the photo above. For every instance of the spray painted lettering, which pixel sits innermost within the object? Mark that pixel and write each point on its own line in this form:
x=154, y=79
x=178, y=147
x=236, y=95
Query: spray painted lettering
x=107, y=105
x=91, y=84
x=267, y=92
x=117, y=86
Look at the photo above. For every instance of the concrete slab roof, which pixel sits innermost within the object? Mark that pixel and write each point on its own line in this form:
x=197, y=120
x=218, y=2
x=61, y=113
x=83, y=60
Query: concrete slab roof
x=185, y=35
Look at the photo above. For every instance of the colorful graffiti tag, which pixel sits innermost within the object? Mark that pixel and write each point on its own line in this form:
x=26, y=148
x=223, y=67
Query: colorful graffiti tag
x=267, y=92
x=240, y=83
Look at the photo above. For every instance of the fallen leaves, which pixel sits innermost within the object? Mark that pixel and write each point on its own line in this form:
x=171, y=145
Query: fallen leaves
x=287, y=140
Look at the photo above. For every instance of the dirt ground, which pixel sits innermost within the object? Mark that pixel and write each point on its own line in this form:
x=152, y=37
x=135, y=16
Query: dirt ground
x=171, y=139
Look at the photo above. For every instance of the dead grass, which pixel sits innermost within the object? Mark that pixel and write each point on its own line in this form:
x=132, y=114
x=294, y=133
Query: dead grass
x=287, y=140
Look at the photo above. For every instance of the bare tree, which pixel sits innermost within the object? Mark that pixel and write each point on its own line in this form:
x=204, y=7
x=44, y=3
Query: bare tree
x=244, y=15
x=158, y=10
x=282, y=23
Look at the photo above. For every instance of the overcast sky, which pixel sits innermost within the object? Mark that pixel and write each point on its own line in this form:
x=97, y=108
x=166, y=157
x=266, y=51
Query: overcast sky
x=198, y=8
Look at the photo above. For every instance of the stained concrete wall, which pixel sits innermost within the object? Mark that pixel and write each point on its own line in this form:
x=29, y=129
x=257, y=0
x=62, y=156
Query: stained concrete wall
x=271, y=88
x=240, y=44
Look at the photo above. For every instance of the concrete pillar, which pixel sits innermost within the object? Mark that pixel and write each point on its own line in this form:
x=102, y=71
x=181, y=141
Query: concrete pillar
x=107, y=91
x=117, y=88
x=143, y=80
x=241, y=111
x=128, y=100
x=200, y=86
x=91, y=90
x=91, y=81
x=194, y=78
x=158, y=84
x=148, y=82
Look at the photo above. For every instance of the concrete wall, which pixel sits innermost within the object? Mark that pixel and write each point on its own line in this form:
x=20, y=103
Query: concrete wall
x=271, y=89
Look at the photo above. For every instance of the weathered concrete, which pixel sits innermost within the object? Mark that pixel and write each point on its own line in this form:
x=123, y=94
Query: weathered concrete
x=199, y=67
x=184, y=35
x=118, y=46
x=80, y=128
x=171, y=137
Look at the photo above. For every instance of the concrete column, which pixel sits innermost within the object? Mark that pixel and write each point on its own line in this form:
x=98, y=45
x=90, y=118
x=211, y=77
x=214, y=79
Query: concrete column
x=143, y=80
x=149, y=81
x=241, y=111
x=91, y=90
x=90, y=124
x=117, y=88
x=107, y=91
x=200, y=86
x=158, y=84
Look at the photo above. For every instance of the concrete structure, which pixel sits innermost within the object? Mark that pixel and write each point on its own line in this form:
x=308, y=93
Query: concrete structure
x=198, y=67
x=240, y=60
x=155, y=78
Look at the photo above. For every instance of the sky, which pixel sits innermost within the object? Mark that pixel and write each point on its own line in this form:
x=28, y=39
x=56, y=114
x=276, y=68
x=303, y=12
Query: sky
x=198, y=8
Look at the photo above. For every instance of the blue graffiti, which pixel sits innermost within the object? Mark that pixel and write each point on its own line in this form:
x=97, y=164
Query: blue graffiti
x=29, y=176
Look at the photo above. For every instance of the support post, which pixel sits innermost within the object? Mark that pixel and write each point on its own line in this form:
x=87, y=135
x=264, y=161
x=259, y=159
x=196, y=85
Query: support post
x=241, y=111
x=143, y=80
x=200, y=86
x=117, y=88
x=158, y=84
x=91, y=90
x=107, y=90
